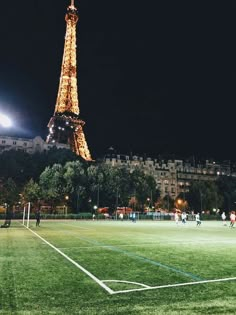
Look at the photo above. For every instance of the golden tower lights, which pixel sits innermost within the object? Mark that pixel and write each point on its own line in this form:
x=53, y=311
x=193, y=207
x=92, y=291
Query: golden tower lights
x=65, y=125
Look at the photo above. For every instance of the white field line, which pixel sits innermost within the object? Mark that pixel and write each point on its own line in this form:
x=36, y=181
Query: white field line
x=75, y=263
x=174, y=285
x=146, y=244
x=104, y=246
x=130, y=282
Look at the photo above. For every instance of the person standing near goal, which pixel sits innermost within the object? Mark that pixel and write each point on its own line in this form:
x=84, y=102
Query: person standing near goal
x=198, y=220
x=37, y=217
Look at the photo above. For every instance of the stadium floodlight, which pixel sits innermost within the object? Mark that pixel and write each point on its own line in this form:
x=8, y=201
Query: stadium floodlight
x=5, y=121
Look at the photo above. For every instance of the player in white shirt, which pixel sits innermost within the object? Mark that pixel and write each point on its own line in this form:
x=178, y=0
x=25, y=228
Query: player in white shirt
x=184, y=217
x=198, y=220
x=176, y=217
x=223, y=217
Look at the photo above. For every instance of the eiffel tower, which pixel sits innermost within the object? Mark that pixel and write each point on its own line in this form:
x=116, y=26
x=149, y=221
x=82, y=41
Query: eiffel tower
x=65, y=126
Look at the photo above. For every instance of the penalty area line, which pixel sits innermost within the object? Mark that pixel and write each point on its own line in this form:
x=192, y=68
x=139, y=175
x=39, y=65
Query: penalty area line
x=74, y=263
x=175, y=285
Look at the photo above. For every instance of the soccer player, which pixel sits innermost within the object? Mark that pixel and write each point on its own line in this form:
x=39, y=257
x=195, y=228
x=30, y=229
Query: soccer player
x=176, y=217
x=183, y=217
x=232, y=219
x=223, y=217
x=121, y=216
x=37, y=217
x=198, y=220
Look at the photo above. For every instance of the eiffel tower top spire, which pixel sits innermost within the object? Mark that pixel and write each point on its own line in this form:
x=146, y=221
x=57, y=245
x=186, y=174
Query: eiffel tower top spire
x=67, y=97
x=72, y=4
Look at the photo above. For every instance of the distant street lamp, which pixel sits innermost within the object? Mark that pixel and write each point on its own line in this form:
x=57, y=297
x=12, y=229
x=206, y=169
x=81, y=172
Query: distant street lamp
x=66, y=207
x=179, y=201
x=179, y=204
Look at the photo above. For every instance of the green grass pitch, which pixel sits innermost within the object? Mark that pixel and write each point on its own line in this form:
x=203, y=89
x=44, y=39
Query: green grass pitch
x=113, y=267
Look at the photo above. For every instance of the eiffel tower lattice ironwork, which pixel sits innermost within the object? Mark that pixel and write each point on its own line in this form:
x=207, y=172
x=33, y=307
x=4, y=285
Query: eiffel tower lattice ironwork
x=65, y=126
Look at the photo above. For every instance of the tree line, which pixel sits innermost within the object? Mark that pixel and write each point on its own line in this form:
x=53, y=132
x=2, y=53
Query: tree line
x=43, y=179
x=59, y=177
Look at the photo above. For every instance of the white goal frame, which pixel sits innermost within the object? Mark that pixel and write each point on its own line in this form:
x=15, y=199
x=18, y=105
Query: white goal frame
x=27, y=208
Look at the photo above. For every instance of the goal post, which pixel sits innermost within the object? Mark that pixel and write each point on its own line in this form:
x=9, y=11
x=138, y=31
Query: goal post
x=23, y=220
x=26, y=210
x=28, y=215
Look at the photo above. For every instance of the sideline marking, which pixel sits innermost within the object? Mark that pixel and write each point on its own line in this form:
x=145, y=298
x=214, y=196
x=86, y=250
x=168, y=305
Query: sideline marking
x=174, y=285
x=126, y=245
x=75, y=263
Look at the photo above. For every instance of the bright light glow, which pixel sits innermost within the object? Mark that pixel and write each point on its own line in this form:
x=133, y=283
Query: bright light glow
x=67, y=99
x=5, y=121
x=179, y=201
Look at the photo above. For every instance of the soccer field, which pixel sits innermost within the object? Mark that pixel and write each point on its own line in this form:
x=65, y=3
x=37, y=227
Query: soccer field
x=113, y=267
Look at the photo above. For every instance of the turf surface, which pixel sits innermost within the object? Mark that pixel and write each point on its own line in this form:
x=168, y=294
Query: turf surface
x=107, y=267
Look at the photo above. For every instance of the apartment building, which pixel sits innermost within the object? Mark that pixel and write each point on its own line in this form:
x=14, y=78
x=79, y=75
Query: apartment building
x=36, y=144
x=172, y=176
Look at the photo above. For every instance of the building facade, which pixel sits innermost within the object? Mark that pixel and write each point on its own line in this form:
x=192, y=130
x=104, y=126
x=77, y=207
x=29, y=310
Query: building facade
x=31, y=146
x=172, y=176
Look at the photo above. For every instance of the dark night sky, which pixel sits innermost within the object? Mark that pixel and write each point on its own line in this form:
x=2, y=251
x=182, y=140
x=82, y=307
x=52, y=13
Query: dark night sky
x=154, y=76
